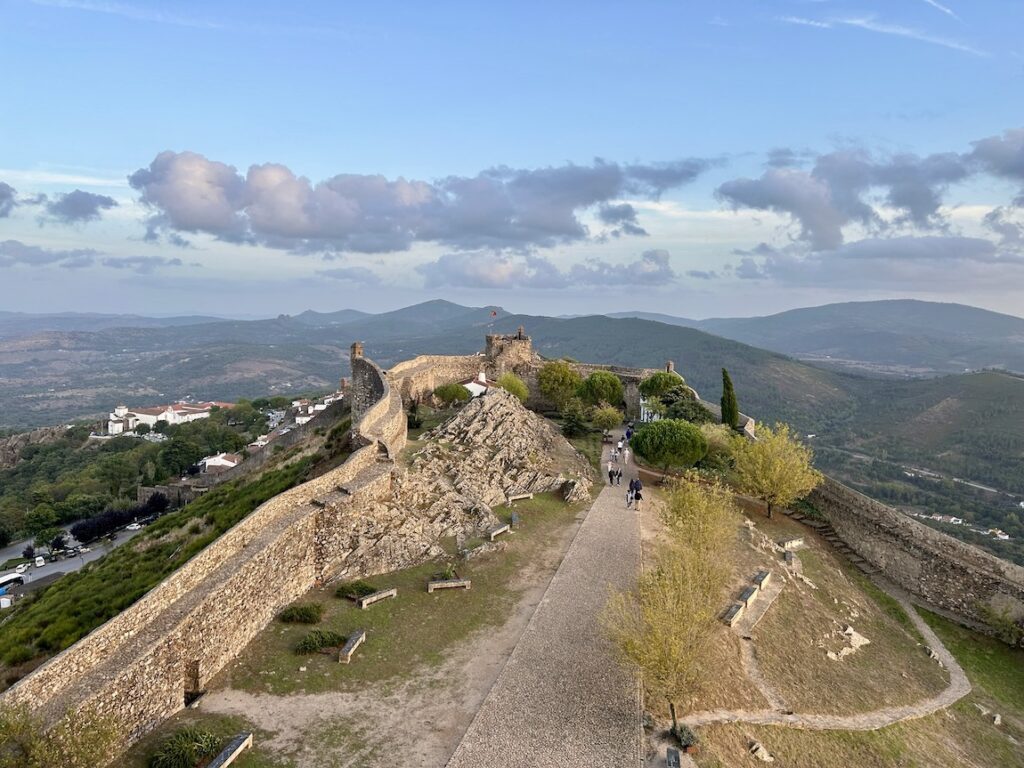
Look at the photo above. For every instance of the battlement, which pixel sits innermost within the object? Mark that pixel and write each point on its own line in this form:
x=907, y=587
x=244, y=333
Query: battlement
x=510, y=352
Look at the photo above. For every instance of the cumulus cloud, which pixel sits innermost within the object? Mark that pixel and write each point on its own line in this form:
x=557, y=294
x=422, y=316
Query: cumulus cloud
x=897, y=263
x=623, y=217
x=357, y=275
x=485, y=269
x=1002, y=156
x=831, y=195
x=7, y=199
x=15, y=252
x=75, y=207
x=499, y=208
x=702, y=274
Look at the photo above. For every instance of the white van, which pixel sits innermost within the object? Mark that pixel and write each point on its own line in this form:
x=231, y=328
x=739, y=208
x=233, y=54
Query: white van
x=40, y=562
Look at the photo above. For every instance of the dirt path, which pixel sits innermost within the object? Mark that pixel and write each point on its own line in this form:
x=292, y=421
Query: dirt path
x=959, y=686
x=563, y=699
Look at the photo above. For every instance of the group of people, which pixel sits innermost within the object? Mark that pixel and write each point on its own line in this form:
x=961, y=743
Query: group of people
x=634, y=492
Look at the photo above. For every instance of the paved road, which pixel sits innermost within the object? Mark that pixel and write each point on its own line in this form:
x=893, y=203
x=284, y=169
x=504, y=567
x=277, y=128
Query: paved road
x=562, y=699
x=39, y=577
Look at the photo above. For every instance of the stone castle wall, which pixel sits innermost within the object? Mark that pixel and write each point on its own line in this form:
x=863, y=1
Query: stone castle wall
x=938, y=568
x=138, y=667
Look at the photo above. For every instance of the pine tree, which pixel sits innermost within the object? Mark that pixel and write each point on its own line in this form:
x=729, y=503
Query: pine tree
x=730, y=411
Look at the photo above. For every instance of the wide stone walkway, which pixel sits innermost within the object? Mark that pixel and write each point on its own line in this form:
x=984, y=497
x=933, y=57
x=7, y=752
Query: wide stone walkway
x=563, y=699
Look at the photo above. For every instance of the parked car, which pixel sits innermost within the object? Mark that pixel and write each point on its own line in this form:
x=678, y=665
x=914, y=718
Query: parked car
x=83, y=550
x=133, y=527
x=40, y=562
x=21, y=568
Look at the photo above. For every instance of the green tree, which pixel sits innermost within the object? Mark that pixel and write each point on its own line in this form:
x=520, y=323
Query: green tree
x=686, y=408
x=143, y=429
x=730, y=410
x=574, y=418
x=51, y=538
x=601, y=387
x=179, y=454
x=513, y=384
x=43, y=516
x=607, y=418
x=670, y=443
x=450, y=394
x=776, y=467
x=659, y=383
x=558, y=382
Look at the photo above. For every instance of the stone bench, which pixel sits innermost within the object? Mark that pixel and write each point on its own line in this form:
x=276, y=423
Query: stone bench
x=732, y=614
x=497, y=531
x=367, y=600
x=515, y=519
x=747, y=596
x=761, y=579
x=520, y=496
x=672, y=758
x=448, y=584
x=793, y=542
x=357, y=638
x=235, y=747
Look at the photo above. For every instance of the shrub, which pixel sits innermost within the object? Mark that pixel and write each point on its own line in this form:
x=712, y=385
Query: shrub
x=319, y=639
x=514, y=385
x=574, y=418
x=686, y=737
x=302, y=613
x=607, y=418
x=354, y=589
x=184, y=748
x=558, y=382
x=659, y=383
x=450, y=394
x=670, y=443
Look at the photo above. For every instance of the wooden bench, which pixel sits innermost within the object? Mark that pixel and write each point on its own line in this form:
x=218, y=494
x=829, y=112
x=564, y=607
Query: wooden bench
x=732, y=614
x=519, y=497
x=235, y=747
x=747, y=596
x=367, y=600
x=354, y=641
x=498, y=530
x=448, y=584
x=761, y=578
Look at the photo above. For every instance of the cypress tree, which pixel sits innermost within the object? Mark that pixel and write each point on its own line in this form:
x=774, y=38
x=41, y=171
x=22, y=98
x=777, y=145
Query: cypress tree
x=730, y=411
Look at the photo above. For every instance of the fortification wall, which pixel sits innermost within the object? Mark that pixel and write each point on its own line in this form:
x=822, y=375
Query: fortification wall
x=416, y=379
x=938, y=568
x=138, y=667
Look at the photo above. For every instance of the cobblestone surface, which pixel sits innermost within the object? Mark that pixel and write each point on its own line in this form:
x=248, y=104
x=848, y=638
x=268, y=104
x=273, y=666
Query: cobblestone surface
x=563, y=699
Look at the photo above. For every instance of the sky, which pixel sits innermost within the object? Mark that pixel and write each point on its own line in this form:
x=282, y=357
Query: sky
x=695, y=158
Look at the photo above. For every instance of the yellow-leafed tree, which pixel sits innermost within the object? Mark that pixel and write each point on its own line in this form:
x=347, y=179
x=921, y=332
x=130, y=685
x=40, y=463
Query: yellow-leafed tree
x=776, y=467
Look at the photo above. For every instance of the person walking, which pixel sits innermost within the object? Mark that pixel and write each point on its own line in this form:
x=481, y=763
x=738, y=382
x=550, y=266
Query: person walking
x=638, y=495
x=629, y=493
x=611, y=473
x=625, y=455
x=618, y=476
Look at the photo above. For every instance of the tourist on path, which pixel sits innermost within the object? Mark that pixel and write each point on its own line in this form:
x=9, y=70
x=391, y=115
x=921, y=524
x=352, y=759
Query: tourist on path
x=618, y=477
x=638, y=494
x=611, y=474
x=629, y=493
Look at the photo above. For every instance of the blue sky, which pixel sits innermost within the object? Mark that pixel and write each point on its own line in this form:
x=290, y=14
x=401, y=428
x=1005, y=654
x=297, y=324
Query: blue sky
x=754, y=156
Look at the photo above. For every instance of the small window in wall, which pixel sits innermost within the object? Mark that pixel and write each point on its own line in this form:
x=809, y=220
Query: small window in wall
x=191, y=680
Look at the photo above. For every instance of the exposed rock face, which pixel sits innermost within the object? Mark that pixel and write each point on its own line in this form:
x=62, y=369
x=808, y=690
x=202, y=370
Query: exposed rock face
x=495, y=448
x=11, y=447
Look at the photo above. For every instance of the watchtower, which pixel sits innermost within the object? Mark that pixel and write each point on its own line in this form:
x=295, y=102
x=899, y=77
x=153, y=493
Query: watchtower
x=509, y=352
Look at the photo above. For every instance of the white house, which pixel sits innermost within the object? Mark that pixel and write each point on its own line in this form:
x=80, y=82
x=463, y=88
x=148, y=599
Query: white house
x=123, y=420
x=220, y=462
x=478, y=385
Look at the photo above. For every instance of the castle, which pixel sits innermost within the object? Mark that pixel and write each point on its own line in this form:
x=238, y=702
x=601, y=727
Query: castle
x=144, y=664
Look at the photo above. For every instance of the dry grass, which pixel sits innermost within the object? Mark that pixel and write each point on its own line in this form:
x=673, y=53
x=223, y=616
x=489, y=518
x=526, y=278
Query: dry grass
x=805, y=623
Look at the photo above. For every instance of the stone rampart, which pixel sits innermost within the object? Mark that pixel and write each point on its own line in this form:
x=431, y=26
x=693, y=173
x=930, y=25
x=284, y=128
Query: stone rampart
x=416, y=379
x=139, y=667
x=941, y=570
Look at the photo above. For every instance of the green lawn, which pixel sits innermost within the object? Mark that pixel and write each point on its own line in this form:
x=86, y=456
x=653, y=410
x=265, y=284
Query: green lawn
x=409, y=631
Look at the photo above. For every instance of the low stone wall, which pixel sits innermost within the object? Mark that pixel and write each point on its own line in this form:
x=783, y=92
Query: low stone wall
x=417, y=379
x=938, y=568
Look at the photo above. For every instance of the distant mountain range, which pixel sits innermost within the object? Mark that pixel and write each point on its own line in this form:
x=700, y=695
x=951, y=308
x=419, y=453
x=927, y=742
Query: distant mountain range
x=901, y=337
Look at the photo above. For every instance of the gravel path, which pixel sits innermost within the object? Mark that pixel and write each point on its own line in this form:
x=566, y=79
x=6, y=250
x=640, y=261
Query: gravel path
x=563, y=699
x=959, y=686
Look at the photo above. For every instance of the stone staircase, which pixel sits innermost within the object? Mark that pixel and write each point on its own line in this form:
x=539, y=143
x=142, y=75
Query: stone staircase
x=828, y=533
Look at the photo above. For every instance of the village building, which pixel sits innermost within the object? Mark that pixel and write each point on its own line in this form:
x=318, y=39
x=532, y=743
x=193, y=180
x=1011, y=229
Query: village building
x=219, y=462
x=122, y=420
x=478, y=384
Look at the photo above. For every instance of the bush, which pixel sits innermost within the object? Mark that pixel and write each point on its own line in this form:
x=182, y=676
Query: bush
x=670, y=443
x=558, y=382
x=185, y=748
x=302, y=613
x=450, y=394
x=601, y=387
x=513, y=384
x=319, y=639
x=354, y=589
x=574, y=418
x=686, y=737
x=607, y=418
x=657, y=384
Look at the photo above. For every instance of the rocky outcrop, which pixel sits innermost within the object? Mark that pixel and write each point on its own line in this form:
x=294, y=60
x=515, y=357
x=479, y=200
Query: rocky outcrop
x=11, y=447
x=494, y=448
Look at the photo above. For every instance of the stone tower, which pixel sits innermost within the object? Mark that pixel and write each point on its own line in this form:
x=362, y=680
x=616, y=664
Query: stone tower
x=510, y=352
